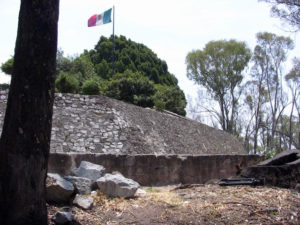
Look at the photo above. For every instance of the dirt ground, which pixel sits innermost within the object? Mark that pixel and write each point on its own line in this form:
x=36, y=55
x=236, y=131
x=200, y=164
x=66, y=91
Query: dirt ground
x=194, y=204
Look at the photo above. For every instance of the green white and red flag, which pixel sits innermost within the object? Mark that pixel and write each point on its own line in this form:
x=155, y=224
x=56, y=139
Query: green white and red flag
x=99, y=19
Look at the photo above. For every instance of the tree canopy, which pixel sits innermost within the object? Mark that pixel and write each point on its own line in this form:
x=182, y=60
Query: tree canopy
x=218, y=68
x=129, y=55
x=262, y=109
x=136, y=75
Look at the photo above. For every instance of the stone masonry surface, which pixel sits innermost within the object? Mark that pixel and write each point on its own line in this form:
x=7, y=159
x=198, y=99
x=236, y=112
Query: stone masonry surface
x=150, y=170
x=97, y=124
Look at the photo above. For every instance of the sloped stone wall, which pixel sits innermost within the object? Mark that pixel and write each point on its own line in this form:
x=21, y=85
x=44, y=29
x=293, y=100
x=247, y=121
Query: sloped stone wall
x=97, y=124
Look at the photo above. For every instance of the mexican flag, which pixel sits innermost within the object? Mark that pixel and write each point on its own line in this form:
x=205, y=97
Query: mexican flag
x=99, y=19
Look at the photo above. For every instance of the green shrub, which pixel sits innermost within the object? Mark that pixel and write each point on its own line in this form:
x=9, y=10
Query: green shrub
x=66, y=83
x=90, y=87
x=7, y=67
x=159, y=104
x=131, y=87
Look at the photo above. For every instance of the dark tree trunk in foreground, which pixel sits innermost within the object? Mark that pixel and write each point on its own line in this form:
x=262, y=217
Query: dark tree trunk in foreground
x=25, y=140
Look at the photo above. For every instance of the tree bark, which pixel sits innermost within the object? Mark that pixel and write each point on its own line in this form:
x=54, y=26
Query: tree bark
x=25, y=140
x=291, y=122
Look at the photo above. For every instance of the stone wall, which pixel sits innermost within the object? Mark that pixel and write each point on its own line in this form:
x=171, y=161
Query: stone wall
x=158, y=170
x=97, y=124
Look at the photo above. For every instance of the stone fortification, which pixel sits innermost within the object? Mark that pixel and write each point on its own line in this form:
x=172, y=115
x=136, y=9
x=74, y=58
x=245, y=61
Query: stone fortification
x=97, y=124
x=150, y=170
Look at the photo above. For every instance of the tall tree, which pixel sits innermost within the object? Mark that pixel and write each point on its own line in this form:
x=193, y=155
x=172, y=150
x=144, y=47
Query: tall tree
x=257, y=95
x=218, y=67
x=287, y=10
x=293, y=81
x=269, y=55
x=255, y=99
x=25, y=139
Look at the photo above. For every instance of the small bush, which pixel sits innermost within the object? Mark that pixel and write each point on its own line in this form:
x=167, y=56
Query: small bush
x=66, y=83
x=90, y=87
x=159, y=105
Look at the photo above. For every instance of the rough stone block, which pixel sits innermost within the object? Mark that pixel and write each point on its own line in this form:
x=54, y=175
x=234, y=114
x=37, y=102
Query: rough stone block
x=82, y=185
x=83, y=201
x=116, y=185
x=58, y=190
x=88, y=170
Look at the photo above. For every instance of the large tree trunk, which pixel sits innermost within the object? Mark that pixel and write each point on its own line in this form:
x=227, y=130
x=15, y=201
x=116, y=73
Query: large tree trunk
x=25, y=140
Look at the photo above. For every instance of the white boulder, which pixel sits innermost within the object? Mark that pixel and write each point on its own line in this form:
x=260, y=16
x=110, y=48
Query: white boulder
x=88, y=170
x=116, y=185
x=83, y=201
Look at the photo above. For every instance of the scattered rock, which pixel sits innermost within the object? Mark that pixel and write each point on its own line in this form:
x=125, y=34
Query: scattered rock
x=58, y=190
x=82, y=185
x=141, y=191
x=116, y=185
x=63, y=218
x=88, y=170
x=83, y=201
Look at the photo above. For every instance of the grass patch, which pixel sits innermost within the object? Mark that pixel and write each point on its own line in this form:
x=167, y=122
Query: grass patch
x=168, y=198
x=152, y=190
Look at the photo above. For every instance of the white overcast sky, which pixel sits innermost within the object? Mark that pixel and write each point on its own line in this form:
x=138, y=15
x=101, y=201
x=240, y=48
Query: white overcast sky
x=170, y=28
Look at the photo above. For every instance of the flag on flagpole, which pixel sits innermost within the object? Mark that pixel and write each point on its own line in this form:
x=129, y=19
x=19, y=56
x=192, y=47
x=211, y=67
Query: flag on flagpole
x=99, y=19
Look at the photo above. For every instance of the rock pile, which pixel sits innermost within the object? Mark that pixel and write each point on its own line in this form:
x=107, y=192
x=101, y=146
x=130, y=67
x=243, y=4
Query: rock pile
x=76, y=188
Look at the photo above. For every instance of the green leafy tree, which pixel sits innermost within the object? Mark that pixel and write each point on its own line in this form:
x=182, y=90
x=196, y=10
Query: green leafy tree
x=159, y=104
x=90, y=87
x=130, y=58
x=287, y=133
x=293, y=81
x=170, y=98
x=102, y=69
x=131, y=87
x=66, y=83
x=270, y=53
x=218, y=68
x=83, y=68
x=63, y=64
x=7, y=67
x=73, y=72
x=255, y=101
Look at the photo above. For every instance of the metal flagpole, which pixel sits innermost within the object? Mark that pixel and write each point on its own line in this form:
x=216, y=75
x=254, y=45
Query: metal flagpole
x=113, y=53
